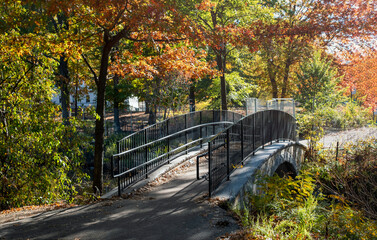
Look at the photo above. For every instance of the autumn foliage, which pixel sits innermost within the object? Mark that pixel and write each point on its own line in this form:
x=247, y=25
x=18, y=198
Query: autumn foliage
x=160, y=47
x=361, y=74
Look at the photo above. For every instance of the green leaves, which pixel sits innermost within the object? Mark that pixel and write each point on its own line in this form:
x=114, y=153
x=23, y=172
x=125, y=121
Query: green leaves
x=37, y=153
x=317, y=83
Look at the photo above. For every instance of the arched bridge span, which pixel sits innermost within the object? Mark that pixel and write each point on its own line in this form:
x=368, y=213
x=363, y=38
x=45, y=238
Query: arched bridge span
x=230, y=137
x=146, y=150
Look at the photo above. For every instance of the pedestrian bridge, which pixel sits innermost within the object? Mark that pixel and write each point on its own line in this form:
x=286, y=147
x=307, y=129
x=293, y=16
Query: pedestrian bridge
x=265, y=141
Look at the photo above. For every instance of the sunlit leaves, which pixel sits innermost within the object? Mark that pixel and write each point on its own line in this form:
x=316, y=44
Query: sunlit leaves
x=317, y=83
x=361, y=74
x=34, y=160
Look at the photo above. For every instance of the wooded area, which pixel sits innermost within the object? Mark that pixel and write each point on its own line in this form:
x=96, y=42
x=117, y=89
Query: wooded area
x=165, y=52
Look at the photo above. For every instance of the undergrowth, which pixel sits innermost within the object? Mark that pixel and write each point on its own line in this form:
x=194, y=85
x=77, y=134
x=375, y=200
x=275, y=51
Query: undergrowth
x=328, y=200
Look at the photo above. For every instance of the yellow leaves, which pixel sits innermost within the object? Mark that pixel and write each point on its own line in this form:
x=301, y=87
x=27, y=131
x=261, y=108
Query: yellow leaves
x=237, y=166
x=339, y=198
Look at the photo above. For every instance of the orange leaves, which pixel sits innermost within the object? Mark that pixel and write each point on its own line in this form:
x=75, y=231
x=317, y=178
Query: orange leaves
x=206, y=5
x=361, y=73
x=181, y=61
x=38, y=208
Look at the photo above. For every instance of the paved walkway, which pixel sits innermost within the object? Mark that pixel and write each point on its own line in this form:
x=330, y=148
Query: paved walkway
x=353, y=135
x=177, y=209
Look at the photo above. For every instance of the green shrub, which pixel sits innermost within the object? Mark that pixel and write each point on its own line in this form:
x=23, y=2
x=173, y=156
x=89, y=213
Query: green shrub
x=41, y=162
x=285, y=209
x=289, y=208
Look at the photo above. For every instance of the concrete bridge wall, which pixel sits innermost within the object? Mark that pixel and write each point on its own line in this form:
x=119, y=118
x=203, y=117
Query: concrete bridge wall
x=278, y=157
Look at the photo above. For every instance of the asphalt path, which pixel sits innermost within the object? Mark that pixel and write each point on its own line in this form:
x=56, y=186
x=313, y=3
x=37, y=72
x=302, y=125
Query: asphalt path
x=348, y=136
x=177, y=209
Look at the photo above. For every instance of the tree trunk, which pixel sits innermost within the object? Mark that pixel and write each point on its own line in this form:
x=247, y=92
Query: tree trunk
x=116, y=104
x=286, y=77
x=272, y=77
x=165, y=112
x=220, y=64
x=64, y=89
x=220, y=59
x=99, y=130
x=76, y=98
x=152, y=114
x=63, y=72
x=192, y=98
x=146, y=107
x=274, y=87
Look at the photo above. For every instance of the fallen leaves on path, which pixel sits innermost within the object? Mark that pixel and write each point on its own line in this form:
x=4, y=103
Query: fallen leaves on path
x=14, y=214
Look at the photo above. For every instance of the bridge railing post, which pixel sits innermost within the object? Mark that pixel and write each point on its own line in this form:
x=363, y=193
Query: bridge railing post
x=271, y=121
x=227, y=154
x=186, y=140
x=213, y=120
x=209, y=170
x=277, y=126
x=200, y=130
x=254, y=135
x=119, y=190
x=168, y=140
x=262, y=130
x=242, y=142
x=146, y=154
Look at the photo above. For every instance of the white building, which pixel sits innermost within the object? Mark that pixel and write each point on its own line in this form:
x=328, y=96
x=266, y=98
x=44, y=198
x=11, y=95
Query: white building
x=91, y=100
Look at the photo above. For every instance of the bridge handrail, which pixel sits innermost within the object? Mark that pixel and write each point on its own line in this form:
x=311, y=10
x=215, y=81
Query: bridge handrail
x=262, y=127
x=148, y=153
x=164, y=128
x=171, y=136
x=160, y=156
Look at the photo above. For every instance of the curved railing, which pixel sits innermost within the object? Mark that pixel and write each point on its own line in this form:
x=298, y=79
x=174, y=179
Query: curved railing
x=229, y=148
x=144, y=151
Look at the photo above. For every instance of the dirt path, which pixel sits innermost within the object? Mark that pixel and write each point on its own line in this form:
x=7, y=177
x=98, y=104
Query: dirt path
x=177, y=209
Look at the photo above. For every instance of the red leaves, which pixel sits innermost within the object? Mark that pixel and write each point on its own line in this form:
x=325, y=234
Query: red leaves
x=183, y=61
x=361, y=73
x=323, y=20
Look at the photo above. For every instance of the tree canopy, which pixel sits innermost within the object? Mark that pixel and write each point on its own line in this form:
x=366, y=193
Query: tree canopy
x=161, y=51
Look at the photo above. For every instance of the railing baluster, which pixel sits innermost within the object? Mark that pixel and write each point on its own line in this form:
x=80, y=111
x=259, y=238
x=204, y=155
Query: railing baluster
x=133, y=165
x=253, y=134
x=146, y=155
x=209, y=170
x=242, y=143
x=186, y=131
x=227, y=155
x=213, y=120
x=262, y=130
x=167, y=134
x=200, y=129
x=272, y=125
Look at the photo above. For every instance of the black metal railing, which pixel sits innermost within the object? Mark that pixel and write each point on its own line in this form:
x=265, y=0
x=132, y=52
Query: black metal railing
x=228, y=149
x=144, y=151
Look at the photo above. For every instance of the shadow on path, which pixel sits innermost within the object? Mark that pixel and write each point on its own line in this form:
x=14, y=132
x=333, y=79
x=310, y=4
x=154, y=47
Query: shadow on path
x=174, y=210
